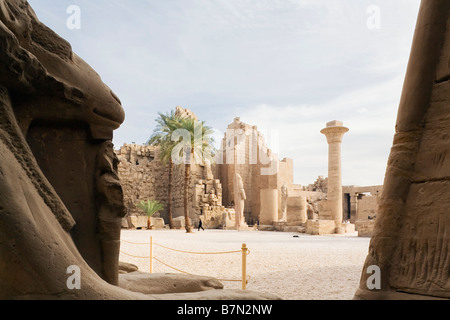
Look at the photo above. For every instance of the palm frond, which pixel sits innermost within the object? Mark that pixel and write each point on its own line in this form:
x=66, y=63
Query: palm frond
x=150, y=207
x=180, y=138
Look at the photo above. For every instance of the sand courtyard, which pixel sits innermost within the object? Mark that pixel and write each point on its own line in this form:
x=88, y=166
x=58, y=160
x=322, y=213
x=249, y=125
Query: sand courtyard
x=291, y=265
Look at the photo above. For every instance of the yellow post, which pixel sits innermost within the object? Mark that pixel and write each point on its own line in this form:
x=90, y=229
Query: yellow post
x=151, y=254
x=244, y=266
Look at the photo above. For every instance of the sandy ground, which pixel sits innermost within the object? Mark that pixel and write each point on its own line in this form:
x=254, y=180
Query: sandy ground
x=294, y=268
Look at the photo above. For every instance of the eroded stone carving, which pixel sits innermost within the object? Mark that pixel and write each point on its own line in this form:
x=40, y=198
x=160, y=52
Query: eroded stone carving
x=284, y=199
x=239, y=201
x=111, y=210
x=411, y=244
x=66, y=114
x=61, y=201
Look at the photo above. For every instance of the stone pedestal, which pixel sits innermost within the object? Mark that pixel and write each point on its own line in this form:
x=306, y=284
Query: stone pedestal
x=320, y=227
x=280, y=225
x=297, y=210
x=365, y=227
x=335, y=132
x=228, y=218
x=348, y=228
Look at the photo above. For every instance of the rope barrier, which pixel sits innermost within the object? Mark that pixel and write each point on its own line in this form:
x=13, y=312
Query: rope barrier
x=191, y=252
x=245, y=278
x=147, y=243
x=172, y=267
x=130, y=255
x=225, y=252
x=192, y=274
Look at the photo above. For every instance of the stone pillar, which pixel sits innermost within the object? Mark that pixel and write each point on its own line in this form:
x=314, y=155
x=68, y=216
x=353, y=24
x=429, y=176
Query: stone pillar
x=335, y=132
x=269, y=206
x=353, y=207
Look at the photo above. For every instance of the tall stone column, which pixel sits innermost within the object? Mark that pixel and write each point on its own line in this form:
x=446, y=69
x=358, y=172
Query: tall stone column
x=353, y=207
x=334, y=132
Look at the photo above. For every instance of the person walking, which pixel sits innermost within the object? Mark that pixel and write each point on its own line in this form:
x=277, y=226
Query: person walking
x=200, y=225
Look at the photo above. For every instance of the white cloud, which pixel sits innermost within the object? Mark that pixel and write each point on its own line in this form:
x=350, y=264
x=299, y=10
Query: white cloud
x=290, y=65
x=365, y=148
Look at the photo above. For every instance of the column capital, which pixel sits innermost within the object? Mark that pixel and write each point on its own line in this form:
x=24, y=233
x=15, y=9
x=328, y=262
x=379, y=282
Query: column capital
x=335, y=131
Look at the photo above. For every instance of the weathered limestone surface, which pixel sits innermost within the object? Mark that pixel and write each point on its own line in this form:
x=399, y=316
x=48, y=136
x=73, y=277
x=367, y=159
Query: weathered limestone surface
x=411, y=241
x=365, y=227
x=145, y=177
x=297, y=211
x=320, y=227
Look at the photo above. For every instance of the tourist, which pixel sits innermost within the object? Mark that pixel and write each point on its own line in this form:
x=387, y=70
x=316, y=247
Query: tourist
x=200, y=225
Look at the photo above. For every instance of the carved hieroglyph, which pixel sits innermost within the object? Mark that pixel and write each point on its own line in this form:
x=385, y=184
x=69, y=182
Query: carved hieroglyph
x=411, y=240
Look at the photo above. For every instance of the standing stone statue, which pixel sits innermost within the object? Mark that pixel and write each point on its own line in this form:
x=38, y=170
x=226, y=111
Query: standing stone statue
x=239, y=200
x=111, y=210
x=284, y=198
x=207, y=171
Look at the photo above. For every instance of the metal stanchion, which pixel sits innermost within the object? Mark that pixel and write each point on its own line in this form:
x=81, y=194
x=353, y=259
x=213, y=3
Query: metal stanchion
x=244, y=266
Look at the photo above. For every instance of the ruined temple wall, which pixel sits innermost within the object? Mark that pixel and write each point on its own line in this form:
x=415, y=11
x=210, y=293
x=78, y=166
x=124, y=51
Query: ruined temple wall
x=253, y=159
x=367, y=207
x=240, y=137
x=138, y=169
x=145, y=177
x=361, y=202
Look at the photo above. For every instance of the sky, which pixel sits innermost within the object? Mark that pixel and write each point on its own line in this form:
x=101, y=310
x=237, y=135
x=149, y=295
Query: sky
x=286, y=66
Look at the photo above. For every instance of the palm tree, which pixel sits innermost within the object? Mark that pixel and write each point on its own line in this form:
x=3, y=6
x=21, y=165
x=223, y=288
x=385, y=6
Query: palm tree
x=162, y=137
x=197, y=144
x=150, y=207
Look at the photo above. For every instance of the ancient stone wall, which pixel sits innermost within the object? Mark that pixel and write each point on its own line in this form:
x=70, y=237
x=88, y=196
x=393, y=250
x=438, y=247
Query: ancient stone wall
x=145, y=177
x=361, y=203
x=245, y=151
x=142, y=176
